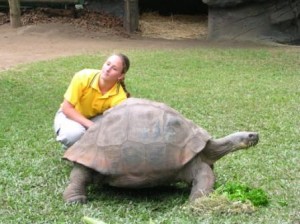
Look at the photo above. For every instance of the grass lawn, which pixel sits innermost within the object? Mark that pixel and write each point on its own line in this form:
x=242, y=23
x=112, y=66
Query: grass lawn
x=223, y=90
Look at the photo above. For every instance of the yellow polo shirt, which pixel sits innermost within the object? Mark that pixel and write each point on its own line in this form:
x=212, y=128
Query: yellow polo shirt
x=84, y=93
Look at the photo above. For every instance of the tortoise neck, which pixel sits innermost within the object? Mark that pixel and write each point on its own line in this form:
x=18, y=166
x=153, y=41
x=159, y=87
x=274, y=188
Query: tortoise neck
x=217, y=148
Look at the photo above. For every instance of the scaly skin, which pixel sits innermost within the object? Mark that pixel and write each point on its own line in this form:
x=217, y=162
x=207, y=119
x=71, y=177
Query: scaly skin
x=80, y=177
x=217, y=148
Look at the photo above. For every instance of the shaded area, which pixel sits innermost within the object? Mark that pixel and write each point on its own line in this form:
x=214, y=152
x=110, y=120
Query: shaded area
x=167, y=8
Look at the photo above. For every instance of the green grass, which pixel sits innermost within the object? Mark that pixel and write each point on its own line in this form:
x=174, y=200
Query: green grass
x=223, y=90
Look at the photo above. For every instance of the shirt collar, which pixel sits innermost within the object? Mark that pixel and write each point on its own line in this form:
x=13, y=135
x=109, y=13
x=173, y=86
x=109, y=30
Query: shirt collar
x=113, y=91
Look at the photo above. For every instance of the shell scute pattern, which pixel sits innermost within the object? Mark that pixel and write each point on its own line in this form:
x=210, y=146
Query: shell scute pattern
x=137, y=137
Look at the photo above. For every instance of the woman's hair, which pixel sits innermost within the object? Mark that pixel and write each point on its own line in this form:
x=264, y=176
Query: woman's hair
x=126, y=62
x=122, y=83
x=126, y=65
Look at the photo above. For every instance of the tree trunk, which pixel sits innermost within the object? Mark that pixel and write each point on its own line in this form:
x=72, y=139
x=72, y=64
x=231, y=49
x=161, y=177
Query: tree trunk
x=15, y=13
x=131, y=20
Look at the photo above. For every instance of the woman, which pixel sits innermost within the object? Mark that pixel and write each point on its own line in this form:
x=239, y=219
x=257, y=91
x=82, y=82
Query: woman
x=89, y=94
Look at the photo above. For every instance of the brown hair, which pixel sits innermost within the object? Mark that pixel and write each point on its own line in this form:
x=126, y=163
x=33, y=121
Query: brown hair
x=126, y=62
x=126, y=65
x=122, y=83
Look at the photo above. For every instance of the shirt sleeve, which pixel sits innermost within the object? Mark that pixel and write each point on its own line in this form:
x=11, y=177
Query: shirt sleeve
x=75, y=89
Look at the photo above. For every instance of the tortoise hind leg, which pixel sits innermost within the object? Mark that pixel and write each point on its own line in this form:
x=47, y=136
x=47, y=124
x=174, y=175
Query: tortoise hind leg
x=203, y=182
x=80, y=177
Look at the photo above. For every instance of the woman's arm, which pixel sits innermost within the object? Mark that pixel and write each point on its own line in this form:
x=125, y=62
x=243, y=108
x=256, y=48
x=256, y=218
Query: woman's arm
x=69, y=110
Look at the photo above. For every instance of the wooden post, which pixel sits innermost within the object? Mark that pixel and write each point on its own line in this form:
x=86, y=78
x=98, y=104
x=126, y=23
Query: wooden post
x=131, y=15
x=15, y=13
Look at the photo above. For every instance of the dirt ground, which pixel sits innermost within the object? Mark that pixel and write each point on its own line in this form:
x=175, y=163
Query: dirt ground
x=44, y=41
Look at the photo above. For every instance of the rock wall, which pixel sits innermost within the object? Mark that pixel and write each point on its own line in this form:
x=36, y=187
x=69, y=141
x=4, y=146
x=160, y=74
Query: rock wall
x=261, y=20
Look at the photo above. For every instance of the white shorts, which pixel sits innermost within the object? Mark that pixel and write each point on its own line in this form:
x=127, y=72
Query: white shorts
x=68, y=131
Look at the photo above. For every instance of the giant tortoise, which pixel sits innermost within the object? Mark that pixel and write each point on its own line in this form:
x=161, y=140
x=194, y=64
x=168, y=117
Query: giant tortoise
x=141, y=144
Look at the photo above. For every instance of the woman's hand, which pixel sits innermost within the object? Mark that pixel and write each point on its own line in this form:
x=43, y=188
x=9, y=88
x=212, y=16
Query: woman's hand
x=69, y=110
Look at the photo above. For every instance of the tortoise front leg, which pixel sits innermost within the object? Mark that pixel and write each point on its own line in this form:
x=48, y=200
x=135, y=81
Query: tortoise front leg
x=80, y=177
x=203, y=181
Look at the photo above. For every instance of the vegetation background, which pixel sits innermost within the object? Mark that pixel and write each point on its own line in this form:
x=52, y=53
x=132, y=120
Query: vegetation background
x=223, y=90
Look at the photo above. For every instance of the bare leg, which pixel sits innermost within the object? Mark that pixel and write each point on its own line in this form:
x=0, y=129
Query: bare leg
x=80, y=177
x=203, y=182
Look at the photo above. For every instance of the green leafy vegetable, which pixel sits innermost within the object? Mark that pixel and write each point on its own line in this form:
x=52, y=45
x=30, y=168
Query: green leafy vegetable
x=243, y=193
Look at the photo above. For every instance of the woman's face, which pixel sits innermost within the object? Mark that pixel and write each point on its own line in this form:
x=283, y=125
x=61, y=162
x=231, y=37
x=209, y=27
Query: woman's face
x=112, y=69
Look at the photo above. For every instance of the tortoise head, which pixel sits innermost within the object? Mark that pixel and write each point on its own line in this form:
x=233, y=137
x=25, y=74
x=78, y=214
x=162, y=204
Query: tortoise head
x=217, y=148
x=243, y=140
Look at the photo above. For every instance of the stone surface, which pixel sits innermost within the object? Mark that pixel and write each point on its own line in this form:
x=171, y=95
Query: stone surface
x=274, y=20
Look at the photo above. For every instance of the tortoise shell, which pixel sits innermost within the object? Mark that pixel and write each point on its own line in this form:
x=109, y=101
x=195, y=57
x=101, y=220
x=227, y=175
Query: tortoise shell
x=140, y=138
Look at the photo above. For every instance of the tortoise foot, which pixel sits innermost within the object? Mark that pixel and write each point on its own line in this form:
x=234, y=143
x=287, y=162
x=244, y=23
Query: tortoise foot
x=80, y=199
x=74, y=195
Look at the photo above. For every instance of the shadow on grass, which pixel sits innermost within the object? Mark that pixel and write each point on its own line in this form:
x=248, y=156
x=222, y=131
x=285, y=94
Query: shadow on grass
x=153, y=194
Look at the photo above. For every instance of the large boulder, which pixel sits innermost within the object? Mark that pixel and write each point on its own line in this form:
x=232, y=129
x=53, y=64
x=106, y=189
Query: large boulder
x=267, y=20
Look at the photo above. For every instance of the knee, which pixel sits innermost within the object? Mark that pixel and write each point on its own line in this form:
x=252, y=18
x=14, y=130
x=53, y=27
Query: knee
x=69, y=137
